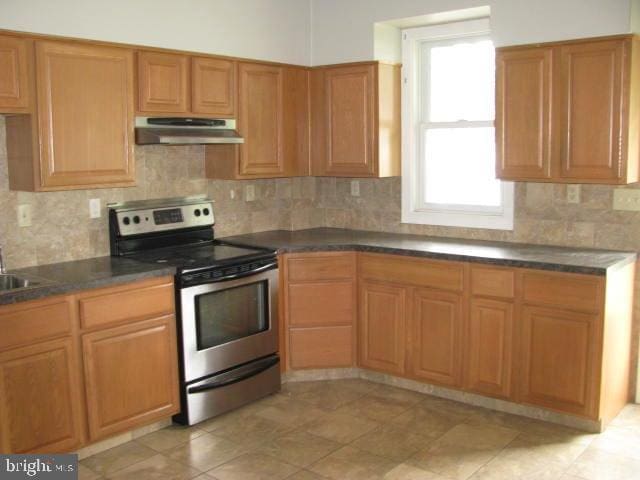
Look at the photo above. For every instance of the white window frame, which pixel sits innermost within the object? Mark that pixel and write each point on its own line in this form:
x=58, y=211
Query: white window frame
x=413, y=208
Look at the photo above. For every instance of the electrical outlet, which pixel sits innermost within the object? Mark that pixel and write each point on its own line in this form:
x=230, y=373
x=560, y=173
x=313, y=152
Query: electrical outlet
x=355, y=188
x=232, y=194
x=250, y=193
x=24, y=215
x=573, y=193
x=626, y=199
x=94, y=208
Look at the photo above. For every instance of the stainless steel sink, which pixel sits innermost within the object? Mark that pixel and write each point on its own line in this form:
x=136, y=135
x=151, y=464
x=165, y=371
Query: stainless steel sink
x=12, y=282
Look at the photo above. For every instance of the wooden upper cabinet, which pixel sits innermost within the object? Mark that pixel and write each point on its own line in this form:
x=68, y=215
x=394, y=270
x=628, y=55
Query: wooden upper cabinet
x=213, y=86
x=591, y=126
x=356, y=120
x=569, y=111
x=523, y=113
x=15, y=60
x=381, y=327
x=85, y=112
x=163, y=83
x=40, y=399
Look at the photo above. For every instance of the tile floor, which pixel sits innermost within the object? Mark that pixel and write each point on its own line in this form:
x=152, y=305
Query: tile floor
x=354, y=429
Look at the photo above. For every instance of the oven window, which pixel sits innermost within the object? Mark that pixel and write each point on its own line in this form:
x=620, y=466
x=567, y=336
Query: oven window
x=230, y=314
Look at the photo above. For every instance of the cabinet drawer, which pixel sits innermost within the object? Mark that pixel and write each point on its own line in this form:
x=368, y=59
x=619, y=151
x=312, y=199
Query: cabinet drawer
x=133, y=302
x=321, y=267
x=411, y=270
x=569, y=291
x=34, y=321
x=492, y=282
x=320, y=304
x=321, y=347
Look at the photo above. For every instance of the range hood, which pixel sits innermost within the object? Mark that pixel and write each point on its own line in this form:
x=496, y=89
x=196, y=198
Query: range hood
x=186, y=131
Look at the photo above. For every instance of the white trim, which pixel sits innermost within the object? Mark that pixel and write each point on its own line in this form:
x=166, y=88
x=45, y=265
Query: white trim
x=413, y=121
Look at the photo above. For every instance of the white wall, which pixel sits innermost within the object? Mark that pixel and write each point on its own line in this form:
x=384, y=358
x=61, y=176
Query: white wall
x=277, y=30
x=343, y=30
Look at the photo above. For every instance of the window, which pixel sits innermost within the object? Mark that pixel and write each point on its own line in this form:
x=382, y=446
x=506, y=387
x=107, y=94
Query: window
x=448, y=175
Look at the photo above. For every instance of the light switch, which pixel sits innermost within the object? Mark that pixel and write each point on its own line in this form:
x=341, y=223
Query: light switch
x=250, y=193
x=94, y=208
x=24, y=215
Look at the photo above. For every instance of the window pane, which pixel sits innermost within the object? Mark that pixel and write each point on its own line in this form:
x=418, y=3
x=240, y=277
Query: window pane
x=460, y=167
x=462, y=81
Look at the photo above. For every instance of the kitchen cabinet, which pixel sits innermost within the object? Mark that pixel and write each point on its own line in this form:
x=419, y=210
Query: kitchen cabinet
x=15, y=74
x=382, y=327
x=319, y=296
x=163, y=83
x=356, y=120
x=75, y=369
x=273, y=119
x=82, y=135
x=568, y=111
x=213, y=86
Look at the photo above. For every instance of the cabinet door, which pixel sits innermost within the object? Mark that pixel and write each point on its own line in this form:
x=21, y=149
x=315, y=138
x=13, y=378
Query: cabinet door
x=163, y=83
x=260, y=119
x=213, y=86
x=558, y=361
x=350, y=111
x=382, y=327
x=523, y=113
x=40, y=398
x=85, y=102
x=437, y=335
x=130, y=376
x=490, y=347
x=14, y=74
x=591, y=79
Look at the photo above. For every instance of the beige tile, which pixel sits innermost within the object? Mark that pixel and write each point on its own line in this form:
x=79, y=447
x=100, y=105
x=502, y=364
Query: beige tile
x=340, y=427
x=400, y=395
x=292, y=413
x=392, y=442
x=169, y=437
x=324, y=395
x=349, y=463
x=405, y=471
x=251, y=430
x=628, y=417
x=158, y=467
x=463, y=450
x=299, y=448
x=206, y=452
x=595, y=464
x=253, y=466
x=426, y=421
x=305, y=475
x=118, y=458
x=376, y=408
x=485, y=416
x=620, y=440
x=85, y=473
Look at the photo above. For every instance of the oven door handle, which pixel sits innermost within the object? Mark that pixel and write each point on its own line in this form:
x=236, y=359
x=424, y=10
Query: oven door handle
x=268, y=266
x=223, y=382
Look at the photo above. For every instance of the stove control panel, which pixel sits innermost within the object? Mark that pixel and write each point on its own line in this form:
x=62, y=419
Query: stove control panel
x=148, y=220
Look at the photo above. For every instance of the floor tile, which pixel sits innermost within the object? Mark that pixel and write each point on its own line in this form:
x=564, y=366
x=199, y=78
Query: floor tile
x=118, y=458
x=349, y=463
x=305, y=475
x=300, y=448
x=596, y=464
x=392, y=442
x=340, y=428
x=169, y=437
x=405, y=471
x=427, y=421
x=376, y=408
x=628, y=417
x=206, y=452
x=253, y=466
x=158, y=467
x=85, y=473
x=324, y=395
x=293, y=414
x=620, y=440
x=463, y=450
x=251, y=430
x=398, y=394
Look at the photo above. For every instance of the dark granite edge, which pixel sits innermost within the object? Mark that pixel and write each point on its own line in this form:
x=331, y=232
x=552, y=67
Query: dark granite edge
x=51, y=287
x=629, y=257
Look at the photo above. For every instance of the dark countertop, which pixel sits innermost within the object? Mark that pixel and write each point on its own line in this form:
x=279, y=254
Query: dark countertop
x=576, y=260
x=66, y=277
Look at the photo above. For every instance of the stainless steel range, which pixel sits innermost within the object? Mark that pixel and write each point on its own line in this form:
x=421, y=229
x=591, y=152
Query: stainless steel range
x=226, y=298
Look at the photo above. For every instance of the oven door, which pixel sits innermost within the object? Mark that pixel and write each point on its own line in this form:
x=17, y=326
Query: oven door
x=228, y=323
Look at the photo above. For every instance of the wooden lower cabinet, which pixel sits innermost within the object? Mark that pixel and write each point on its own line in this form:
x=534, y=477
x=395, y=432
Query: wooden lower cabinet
x=382, y=330
x=436, y=340
x=489, y=348
x=40, y=400
x=122, y=367
x=559, y=355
